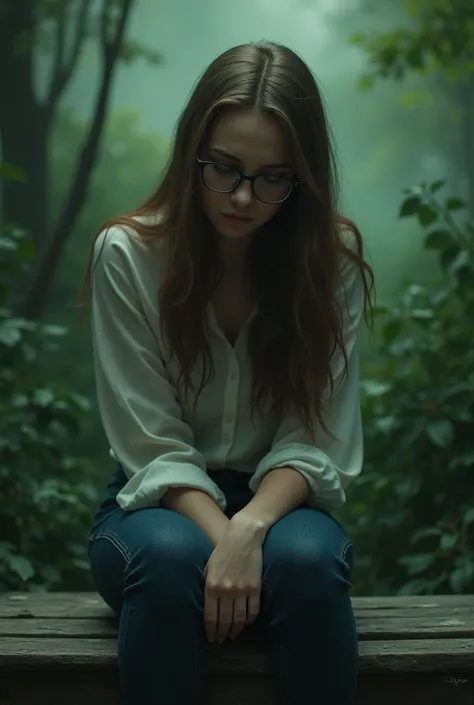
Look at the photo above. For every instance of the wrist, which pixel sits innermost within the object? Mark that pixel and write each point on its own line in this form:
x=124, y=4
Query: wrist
x=247, y=520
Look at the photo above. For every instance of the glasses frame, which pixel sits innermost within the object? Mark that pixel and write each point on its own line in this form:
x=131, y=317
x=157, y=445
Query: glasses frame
x=245, y=177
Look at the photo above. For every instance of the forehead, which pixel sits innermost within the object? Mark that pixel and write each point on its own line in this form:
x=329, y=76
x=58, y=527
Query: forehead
x=255, y=138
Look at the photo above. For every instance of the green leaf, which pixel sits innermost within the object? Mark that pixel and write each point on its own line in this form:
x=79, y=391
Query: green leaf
x=468, y=516
x=10, y=334
x=427, y=215
x=10, y=172
x=43, y=397
x=460, y=578
x=461, y=260
x=437, y=185
x=449, y=255
x=422, y=314
x=428, y=532
x=448, y=541
x=415, y=587
x=392, y=330
x=374, y=388
x=455, y=204
x=7, y=245
x=440, y=432
x=417, y=562
x=22, y=567
x=54, y=331
x=410, y=206
x=439, y=240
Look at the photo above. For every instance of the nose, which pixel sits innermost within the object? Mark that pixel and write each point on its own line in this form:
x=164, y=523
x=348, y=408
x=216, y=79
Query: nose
x=243, y=194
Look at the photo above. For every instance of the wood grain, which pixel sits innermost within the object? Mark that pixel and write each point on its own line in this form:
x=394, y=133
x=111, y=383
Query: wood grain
x=61, y=649
x=368, y=628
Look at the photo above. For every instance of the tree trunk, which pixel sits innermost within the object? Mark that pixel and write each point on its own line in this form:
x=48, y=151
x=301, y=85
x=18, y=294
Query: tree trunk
x=34, y=300
x=24, y=127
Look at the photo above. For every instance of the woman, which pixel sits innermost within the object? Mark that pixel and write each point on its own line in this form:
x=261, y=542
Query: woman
x=225, y=314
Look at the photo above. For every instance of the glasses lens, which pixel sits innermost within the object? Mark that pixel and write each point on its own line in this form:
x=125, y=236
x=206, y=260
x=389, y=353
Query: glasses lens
x=220, y=177
x=272, y=189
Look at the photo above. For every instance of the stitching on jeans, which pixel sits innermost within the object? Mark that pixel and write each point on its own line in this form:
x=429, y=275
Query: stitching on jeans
x=345, y=546
x=117, y=542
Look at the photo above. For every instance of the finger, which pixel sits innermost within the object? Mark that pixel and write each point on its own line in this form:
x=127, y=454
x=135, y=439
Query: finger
x=253, y=608
x=225, y=619
x=211, y=614
x=240, y=616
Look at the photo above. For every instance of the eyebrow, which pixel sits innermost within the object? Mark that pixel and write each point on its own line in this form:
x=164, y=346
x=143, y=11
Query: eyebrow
x=227, y=155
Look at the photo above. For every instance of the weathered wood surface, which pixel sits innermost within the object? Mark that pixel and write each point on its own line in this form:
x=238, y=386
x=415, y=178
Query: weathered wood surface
x=413, y=651
x=411, y=655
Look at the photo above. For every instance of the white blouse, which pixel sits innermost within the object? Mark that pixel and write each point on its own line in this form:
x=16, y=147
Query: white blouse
x=150, y=425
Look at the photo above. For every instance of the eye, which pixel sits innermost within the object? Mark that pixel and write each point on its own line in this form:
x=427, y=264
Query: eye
x=273, y=179
x=224, y=169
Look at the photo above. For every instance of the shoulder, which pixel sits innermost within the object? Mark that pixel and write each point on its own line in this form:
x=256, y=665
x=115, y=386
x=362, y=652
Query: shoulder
x=121, y=250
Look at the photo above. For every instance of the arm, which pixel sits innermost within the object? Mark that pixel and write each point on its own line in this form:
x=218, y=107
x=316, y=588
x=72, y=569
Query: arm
x=139, y=406
x=200, y=508
x=327, y=465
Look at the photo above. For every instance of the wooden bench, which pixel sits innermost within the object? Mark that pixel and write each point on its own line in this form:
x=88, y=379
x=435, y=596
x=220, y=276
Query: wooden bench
x=60, y=649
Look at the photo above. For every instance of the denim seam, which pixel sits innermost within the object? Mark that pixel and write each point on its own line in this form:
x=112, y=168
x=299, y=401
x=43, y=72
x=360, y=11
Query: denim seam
x=119, y=545
x=345, y=546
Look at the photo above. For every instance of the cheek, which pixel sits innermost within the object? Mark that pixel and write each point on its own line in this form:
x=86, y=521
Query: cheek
x=211, y=201
x=268, y=211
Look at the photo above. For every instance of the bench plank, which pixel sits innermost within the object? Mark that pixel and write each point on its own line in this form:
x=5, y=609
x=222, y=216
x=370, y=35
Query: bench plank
x=440, y=655
x=85, y=605
x=368, y=628
x=60, y=649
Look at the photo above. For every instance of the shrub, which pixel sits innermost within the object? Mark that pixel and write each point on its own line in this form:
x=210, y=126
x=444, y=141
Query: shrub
x=411, y=512
x=47, y=495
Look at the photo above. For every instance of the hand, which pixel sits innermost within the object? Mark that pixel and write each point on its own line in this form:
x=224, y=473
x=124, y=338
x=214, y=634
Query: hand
x=233, y=579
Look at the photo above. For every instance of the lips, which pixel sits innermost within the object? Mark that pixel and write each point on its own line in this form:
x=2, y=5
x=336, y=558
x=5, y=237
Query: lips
x=234, y=216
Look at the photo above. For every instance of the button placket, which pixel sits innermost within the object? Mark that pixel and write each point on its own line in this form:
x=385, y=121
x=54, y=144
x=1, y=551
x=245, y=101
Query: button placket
x=230, y=401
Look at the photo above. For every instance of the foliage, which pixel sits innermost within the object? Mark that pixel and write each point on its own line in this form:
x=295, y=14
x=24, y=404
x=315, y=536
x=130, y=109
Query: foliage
x=410, y=511
x=439, y=34
x=47, y=496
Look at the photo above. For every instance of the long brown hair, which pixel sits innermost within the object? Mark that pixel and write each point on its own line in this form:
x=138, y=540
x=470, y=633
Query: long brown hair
x=295, y=258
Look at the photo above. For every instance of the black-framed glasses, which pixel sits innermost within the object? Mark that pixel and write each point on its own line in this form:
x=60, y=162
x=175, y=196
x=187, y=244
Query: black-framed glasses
x=267, y=187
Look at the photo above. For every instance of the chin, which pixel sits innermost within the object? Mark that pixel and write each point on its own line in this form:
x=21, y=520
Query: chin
x=234, y=232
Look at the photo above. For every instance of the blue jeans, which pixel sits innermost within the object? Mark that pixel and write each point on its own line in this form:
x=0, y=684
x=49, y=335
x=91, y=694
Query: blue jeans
x=148, y=567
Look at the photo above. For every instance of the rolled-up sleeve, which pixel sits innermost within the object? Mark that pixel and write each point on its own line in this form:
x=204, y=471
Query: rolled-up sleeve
x=139, y=407
x=328, y=464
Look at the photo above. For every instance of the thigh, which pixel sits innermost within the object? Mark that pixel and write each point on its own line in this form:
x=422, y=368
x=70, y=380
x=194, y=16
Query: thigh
x=156, y=545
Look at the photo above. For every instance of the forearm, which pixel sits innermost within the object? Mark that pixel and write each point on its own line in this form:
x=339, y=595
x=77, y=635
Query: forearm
x=280, y=491
x=200, y=508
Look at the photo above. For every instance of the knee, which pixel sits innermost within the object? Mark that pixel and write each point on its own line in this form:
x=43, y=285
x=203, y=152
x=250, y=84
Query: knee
x=309, y=567
x=168, y=565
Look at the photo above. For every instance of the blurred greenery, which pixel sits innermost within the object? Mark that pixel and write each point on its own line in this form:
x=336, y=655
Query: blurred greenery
x=409, y=512
x=47, y=493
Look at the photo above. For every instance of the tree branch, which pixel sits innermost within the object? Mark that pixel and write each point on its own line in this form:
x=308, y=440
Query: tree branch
x=63, y=70
x=33, y=304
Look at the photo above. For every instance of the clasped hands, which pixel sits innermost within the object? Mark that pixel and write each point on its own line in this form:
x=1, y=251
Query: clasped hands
x=233, y=579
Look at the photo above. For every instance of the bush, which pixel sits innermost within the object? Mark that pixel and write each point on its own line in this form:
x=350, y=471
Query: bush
x=411, y=512
x=47, y=496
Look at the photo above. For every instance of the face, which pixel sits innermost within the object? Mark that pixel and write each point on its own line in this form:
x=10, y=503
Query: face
x=254, y=143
